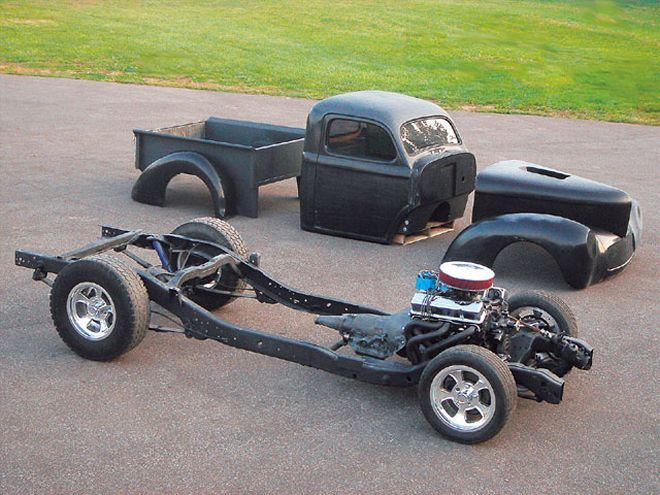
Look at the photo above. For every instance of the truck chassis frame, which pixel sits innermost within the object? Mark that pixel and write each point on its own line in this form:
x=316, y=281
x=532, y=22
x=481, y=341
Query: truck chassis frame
x=167, y=289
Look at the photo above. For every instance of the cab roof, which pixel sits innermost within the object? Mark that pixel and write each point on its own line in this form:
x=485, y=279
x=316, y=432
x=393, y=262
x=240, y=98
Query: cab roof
x=390, y=109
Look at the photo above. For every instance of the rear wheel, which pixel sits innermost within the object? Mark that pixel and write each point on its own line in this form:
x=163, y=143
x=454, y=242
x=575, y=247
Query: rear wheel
x=467, y=393
x=548, y=312
x=100, y=307
x=225, y=280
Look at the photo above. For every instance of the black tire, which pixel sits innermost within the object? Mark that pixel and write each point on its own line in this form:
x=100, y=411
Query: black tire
x=100, y=280
x=498, y=400
x=550, y=307
x=219, y=232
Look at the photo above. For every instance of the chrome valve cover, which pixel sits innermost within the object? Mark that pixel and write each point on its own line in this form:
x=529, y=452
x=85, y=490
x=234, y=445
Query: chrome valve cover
x=434, y=306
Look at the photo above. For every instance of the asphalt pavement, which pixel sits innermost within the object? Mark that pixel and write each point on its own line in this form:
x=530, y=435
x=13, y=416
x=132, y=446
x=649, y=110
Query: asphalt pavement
x=182, y=416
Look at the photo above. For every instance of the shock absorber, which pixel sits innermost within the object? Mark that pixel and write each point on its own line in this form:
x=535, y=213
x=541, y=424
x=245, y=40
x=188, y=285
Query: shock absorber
x=162, y=255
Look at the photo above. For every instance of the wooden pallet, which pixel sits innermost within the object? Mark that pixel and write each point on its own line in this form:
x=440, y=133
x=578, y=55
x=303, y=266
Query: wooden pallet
x=432, y=229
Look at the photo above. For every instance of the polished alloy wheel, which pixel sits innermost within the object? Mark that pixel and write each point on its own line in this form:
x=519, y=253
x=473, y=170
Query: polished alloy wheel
x=91, y=311
x=462, y=398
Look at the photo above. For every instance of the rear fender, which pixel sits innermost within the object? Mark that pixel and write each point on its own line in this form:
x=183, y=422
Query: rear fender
x=151, y=186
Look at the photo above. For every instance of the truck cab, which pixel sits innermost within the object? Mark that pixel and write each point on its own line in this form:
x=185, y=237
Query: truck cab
x=376, y=164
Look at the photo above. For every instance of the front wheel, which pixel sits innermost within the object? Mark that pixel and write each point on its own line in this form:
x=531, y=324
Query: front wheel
x=467, y=393
x=547, y=312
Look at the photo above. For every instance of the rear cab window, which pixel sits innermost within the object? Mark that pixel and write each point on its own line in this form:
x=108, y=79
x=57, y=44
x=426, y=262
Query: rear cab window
x=359, y=139
x=427, y=134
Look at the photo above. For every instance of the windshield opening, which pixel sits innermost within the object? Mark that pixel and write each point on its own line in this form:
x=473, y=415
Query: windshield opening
x=424, y=134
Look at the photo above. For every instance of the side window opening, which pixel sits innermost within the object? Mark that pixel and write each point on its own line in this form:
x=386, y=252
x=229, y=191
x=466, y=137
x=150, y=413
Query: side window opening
x=359, y=140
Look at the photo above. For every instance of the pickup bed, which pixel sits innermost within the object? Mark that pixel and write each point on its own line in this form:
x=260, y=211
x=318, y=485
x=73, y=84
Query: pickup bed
x=232, y=157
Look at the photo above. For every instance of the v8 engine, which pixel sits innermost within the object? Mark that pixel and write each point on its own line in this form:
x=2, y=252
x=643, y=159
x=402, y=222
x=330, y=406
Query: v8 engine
x=458, y=304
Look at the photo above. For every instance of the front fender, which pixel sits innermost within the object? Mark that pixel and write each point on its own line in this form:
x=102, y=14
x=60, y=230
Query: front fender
x=151, y=186
x=573, y=245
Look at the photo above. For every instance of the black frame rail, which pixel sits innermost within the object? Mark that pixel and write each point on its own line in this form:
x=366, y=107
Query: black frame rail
x=166, y=289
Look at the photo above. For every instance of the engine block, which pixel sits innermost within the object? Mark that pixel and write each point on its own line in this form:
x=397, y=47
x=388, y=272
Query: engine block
x=427, y=305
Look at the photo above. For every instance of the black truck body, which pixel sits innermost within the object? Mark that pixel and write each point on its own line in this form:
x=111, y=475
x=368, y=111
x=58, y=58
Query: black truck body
x=374, y=165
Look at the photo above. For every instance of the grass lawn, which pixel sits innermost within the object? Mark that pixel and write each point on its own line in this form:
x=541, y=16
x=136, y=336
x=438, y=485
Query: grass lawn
x=593, y=59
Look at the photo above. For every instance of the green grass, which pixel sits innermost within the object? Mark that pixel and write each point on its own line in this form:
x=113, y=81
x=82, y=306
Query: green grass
x=594, y=60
